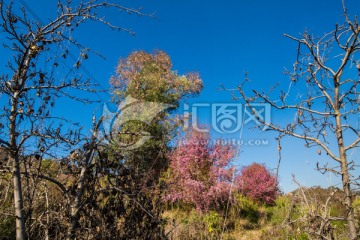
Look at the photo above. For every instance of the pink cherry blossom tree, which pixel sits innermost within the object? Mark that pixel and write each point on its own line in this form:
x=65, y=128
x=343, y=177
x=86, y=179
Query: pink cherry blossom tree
x=257, y=182
x=200, y=173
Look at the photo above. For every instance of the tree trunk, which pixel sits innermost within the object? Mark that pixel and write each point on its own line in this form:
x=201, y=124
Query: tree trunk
x=47, y=213
x=75, y=207
x=18, y=200
x=16, y=174
x=345, y=175
x=348, y=201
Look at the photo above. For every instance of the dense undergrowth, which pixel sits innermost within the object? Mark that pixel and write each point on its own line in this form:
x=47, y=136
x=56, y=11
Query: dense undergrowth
x=287, y=218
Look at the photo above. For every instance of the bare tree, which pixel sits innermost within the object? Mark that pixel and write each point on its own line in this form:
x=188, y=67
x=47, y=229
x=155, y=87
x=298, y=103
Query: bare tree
x=325, y=89
x=38, y=54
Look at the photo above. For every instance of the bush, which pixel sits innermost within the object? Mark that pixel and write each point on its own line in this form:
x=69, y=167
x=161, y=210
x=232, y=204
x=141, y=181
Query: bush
x=213, y=222
x=7, y=227
x=356, y=205
x=256, y=181
x=194, y=225
x=277, y=213
x=247, y=208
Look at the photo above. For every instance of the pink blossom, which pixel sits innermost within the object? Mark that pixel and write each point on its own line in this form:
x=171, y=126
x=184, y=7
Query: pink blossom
x=200, y=174
x=256, y=182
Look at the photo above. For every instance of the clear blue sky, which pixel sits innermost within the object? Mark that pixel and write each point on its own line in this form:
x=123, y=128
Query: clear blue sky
x=220, y=40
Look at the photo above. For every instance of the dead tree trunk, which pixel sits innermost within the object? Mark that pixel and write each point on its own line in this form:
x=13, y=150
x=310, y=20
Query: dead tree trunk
x=348, y=202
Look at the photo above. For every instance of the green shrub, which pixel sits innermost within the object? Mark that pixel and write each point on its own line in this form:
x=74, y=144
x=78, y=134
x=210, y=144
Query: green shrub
x=356, y=204
x=277, y=213
x=213, y=222
x=7, y=227
x=247, y=208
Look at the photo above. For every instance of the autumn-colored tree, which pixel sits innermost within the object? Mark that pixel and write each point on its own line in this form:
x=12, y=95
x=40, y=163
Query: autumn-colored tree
x=256, y=181
x=145, y=78
x=200, y=173
x=149, y=77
